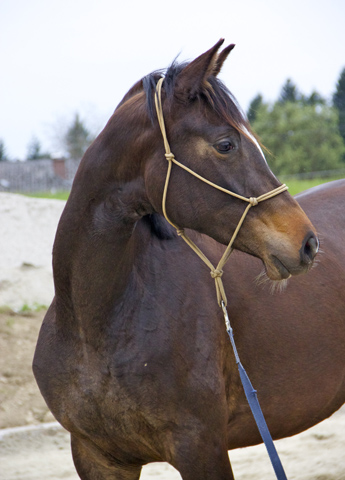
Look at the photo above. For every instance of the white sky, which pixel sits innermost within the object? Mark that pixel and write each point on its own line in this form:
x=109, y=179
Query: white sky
x=59, y=57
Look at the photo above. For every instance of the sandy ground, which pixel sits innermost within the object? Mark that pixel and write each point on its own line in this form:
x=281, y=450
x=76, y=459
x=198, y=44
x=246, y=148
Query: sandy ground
x=31, y=446
x=28, y=227
x=317, y=454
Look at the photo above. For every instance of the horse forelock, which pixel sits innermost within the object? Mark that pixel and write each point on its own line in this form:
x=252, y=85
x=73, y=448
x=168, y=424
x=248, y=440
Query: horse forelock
x=228, y=109
x=213, y=91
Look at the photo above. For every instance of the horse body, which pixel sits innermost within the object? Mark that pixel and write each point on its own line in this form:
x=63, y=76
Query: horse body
x=292, y=343
x=133, y=356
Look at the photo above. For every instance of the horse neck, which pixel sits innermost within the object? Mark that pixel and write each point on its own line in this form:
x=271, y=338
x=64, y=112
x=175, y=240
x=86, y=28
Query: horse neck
x=97, y=242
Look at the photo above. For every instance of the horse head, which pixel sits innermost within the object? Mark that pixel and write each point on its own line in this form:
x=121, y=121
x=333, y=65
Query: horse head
x=209, y=134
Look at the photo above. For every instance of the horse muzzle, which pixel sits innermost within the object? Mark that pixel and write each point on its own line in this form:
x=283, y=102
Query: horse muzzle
x=282, y=263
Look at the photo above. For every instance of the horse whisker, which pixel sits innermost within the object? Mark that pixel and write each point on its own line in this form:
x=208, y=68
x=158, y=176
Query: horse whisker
x=274, y=286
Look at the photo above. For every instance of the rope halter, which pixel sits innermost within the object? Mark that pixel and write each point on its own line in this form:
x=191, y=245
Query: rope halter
x=216, y=272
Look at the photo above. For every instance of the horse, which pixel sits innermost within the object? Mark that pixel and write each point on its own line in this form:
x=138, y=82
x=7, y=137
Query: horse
x=133, y=358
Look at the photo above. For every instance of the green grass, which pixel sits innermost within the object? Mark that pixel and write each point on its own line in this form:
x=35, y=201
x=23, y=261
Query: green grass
x=25, y=310
x=36, y=307
x=297, y=186
x=63, y=195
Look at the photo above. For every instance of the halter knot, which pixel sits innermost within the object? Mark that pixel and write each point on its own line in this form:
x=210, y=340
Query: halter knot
x=169, y=156
x=253, y=201
x=180, y=231
x=216, y=273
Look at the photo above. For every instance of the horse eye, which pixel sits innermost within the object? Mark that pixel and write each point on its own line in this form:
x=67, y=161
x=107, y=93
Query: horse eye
x=224, y=147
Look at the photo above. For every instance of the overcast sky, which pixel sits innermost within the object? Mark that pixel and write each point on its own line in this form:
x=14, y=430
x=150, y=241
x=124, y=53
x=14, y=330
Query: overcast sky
x=59, y=57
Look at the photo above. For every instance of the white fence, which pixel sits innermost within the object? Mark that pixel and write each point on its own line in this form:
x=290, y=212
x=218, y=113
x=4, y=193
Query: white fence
x=37, y=175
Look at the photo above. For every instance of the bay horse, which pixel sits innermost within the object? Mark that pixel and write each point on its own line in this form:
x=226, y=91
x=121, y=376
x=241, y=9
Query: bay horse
x=133, y=358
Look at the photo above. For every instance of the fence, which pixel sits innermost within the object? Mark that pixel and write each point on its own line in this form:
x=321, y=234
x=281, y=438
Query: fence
x=46, y=175
x=310, y=175
x=51, y=175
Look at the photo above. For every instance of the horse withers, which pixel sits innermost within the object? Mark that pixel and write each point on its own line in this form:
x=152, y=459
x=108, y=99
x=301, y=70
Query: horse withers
x=133, y=357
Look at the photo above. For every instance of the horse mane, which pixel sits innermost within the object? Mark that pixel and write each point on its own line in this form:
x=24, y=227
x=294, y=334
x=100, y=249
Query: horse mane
x=159, y=227
x=214, y=92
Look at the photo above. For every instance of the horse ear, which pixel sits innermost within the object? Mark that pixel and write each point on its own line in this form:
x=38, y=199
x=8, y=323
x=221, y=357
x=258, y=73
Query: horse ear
x=221, y=59
x=189, y=82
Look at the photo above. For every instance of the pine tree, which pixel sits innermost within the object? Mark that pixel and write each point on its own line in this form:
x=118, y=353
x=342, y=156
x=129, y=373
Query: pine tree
x=302, y=138
x=34, y=150
x=3, y=156
x=254, y=106
x=314, y=99
x=339, y=102
x=77, y=139
x=289, y=92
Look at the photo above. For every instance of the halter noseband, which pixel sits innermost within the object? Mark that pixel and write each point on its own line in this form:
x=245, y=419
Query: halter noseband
x=216, y=272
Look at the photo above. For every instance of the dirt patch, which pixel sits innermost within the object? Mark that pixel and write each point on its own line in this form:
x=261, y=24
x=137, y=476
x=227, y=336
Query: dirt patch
x=20, y=400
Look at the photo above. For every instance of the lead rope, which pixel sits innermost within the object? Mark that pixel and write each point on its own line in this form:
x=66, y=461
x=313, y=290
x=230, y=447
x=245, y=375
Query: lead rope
x=217, y=272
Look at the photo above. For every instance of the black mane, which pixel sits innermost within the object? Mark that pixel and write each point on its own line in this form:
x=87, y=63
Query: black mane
x=218, y=96
x=159, y=227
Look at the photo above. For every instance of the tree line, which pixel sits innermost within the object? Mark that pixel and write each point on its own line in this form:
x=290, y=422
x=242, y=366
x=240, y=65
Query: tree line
x=301, y=133
x=73, y=142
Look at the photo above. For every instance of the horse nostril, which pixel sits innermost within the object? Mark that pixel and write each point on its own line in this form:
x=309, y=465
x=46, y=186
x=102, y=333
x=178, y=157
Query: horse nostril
x=310, y=248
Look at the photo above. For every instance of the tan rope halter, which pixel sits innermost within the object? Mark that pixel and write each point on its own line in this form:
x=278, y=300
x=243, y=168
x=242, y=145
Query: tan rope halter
x=216, y=272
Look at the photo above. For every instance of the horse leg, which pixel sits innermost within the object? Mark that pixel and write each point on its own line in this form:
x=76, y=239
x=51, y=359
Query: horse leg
x=204, y=462
x=206, y=470
x=92, y=464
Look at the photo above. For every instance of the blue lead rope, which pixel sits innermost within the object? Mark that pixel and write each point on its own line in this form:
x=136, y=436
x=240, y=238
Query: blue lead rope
x=255, y=406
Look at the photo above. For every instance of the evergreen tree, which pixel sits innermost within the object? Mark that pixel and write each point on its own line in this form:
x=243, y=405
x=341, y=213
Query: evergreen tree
x=289, y=92
x=3, y=156
x=35, y=150
x=254, y=106
x=302, y=138
x=77, y=139
x=314, y=99
x=339, y=102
